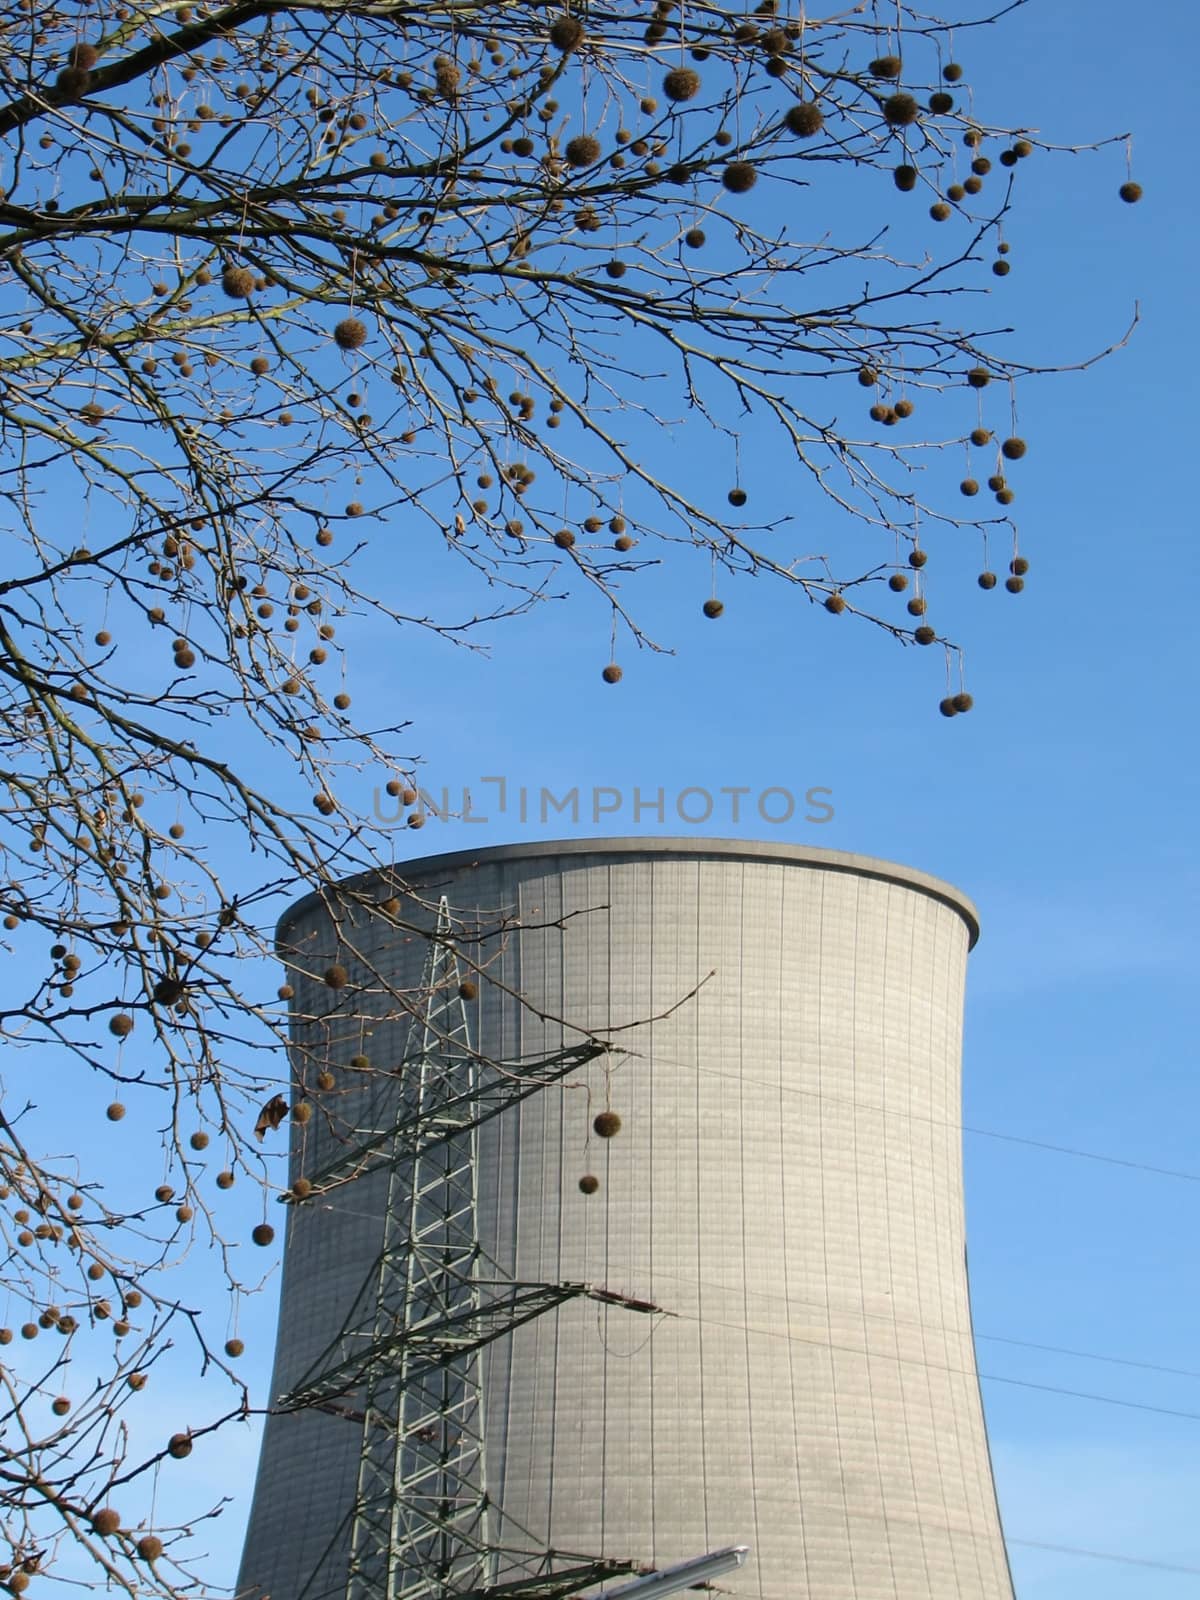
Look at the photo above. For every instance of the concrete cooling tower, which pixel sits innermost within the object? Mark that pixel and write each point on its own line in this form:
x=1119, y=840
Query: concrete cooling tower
x=626, y=1224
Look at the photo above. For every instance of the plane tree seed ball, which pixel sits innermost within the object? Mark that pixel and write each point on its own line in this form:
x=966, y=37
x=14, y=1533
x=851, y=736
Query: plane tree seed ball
x=805, y=120
x=120, y=1026
x=952, y=72
x=149, y=1547
x=607, y=1125
x=940, y=211
x=940, y=103
x=905, y=177
x=947, y=707
x=1018, y=566
x=979, y=377
x=336, y=977
x=612, y=673
x=234, y=1348
x=106, y=1521
x=1014, y=585
x=225, y=1180
x=737, y=497
x=1013, y=449
x=886, y=67
x=963, y=702
x=350, y=334
x=898, y=582
x=588, y=1184
x=924, y=634
x=302, y=1188
x=713, y=608
x=115, y=1112
x=681, y=83
x=835, y=604
x=467, y=989
x=987, y=580
x=980, y=436
x=263, y=1235
x=237, y=282
x=582, y=151
x=199, y=1141
x=694, y=238
x=900, y=110
x=179, y=1445
x=903, y=408
x=917, y=558
x=739, y=177
x=566, y=33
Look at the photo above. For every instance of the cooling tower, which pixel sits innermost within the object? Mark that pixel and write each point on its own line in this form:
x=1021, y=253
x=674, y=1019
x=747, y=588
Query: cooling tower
x=755, y=1331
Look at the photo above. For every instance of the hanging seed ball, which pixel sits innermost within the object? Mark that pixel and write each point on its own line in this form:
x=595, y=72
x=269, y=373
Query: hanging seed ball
x=564, y=538
x=1019, y=566
x=106, y=1521
x=6, y=1336
x=60, y=1406
x=952, y=72
x=1022, y=148
x=924, y=634
x=179, y=1446
x=115, y=1112
x=164, y=1193
x=886, y=67
x=995, y=482
x=1005, y=497
x=350, y=334
x=898, y=582
x=1002, y=268
x=83, y=55
x=916, y=606
x=566, y=33
x=900, y=110
x=606, y=1125
x=263, y=1235
x=1013, y=449
x=835, y=604
x=980, y=436
x=903, y=408
x=867, y=377
x=234, y=1348
x=1131, y=193
x=917, y=558
x=739, y=176
x=905, y=177
x=694, y=238
x=301, y=1189
x=968, y=486
x=1014, y=585
x=973, y=185
x=582, y=151
x=612, y=673
x=326, y=1080
x=737, y=497
x=713, y=608
x=955, y=192
x=617, y=525
x=238, y=282
x=623, y=543
x=29, y=1330
x=963, y=702
x=149, y=1547
x=987, y=580
x=302, y=1112
x=940, y=211
x=979, y=377
x=184, y=1213
x=121, y=1026
x=681, y=83
x=336, y=977
x=588, y=1184
x=804, y=119
x=1008, y=158
x=947, y=707
x=940, y=103
x=468, y=989
x=225, y=1180
x=878, y=412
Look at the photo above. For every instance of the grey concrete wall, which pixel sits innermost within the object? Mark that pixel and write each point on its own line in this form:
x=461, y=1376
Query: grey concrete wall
x=787, y=1182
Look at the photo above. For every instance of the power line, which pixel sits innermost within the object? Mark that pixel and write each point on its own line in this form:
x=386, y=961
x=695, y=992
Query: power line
x=917, y=1116
x=1103, y=1555
x=1081, y=1355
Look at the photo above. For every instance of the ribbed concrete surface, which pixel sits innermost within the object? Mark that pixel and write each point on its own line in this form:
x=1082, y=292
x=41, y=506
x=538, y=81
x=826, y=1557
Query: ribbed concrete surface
x=787, y=1182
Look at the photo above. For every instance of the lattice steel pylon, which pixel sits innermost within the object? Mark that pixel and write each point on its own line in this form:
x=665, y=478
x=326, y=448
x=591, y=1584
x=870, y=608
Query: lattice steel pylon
x=420, y=1512
x=408, y=1364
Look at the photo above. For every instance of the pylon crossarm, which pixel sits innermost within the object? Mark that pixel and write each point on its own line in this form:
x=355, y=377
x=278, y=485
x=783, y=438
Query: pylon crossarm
x=509, y=1083
x=434, y=1343
x=557, y=1585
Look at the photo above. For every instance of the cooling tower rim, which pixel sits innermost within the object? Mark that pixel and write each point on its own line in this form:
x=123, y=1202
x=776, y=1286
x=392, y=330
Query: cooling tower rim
x=417, y=872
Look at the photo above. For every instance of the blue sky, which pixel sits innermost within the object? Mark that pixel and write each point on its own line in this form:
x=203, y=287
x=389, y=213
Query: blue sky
x=1064, y=805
